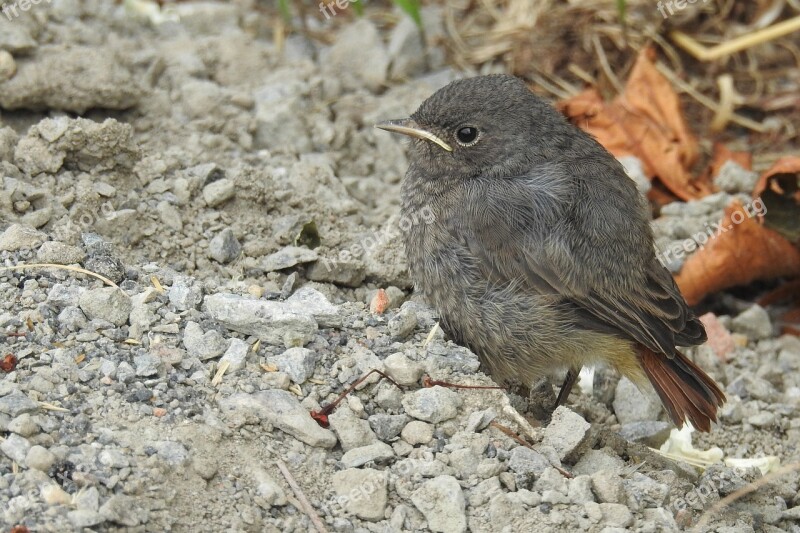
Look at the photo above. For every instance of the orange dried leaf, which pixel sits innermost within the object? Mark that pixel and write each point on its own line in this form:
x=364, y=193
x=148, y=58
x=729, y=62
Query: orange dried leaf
x=645, y=121
x=745, y=252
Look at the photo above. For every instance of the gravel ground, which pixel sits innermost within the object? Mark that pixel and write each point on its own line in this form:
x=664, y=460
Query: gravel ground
x=247, y=212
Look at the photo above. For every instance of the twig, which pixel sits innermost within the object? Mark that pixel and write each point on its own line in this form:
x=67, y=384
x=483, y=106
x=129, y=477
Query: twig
x=601, y=56
x=738, y=44
x=307, y=508
x=744, y=491
x=60, y=267
x=523, y=442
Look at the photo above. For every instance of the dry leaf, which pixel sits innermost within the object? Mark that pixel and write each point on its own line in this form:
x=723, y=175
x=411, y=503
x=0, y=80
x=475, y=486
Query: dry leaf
x=645, y=121
x=743, y=253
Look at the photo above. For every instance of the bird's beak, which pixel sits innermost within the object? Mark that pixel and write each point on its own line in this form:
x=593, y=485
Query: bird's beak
x=409, y=127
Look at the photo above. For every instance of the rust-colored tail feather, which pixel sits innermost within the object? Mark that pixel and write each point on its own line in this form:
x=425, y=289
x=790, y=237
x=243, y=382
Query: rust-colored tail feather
x=685, y=390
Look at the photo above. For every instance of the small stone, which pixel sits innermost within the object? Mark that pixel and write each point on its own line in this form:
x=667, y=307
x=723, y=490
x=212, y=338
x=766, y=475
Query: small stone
x=17, y=403
x=350, y=273
x=310, y=301
x=235, y=355
x=8, y=67
x=403, y=323
x=20, y=237
x=281, y=409
x=147, y=364
x=206, y=345
x=632, y=405
x=82, y=518
x=125, y=373
x=763, y=419
x=402, y=369
x=596, y=460
x=435, y=404
x=298, y=363
x=113, y=458
x=387, y=427
x=566, y=432
x=170, y=215
x=171, y=452
x=362, y=492
x=649, y=432
x=734, y=178
x=23, y=425
x=184, y=294
x=580, y=490
x=108, y=303
x=378, y=452
x=644, y=491
x=88, y=499
x=270, y=490
x=59, y=253
x=442, y=502
x=218, y=192
x=753, y=322
x=417, y=432
x=123, y=510
x=40, y=458
x=527, y=464
x=15, y=447
x=224, y=247
x=616, y=515
x=288, y=257
x=608, y=487
x=353, y=432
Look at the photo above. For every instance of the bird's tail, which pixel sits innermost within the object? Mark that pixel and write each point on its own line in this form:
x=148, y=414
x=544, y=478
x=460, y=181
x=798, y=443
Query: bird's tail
x=686, y=391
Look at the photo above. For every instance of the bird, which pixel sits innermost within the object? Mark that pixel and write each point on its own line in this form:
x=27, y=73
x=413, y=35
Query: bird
x=539, y=256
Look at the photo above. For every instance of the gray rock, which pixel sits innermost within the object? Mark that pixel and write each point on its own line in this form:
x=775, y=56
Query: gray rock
x=608, y=487
x=580, y=490
x=40, y=458
x=170, y=215
x=61, y=295
x=235, y=355
x=147, y=364
x=185, y=294
x=15, y=448
x=527, y=464
x=359, y=57
x=17, y=403
x=224, y=247
x=281, y=409
x=171, y=452
x=747, y=387
x=123, y=510
x=566, y=432
x=402, y=369
x=753, y=322
x=272, y=322
x=649, y=432
x=108, y=303
x=298, y=363
x=16, y=38
x=615, y=515
x=288, y=257
x=734, y=178
x=362, y=492
x=202, y=345
x=417, y=432
x=72, y=318
x=350, y=273
x=83, y=518
x=644, y=491
x=59, y=253
x=308, y=300
x=596, y=460
x=23, y=425
x=20, y=237
x=403, y=323
x=112, y=85
x=632, y=405
x=125, y=373
x=442, y=502
x=218, y=192
x=479, y=420
x=435, y=404
x=270, y=490
x=387, y=427
x=88, y=499
x=113, y=458
x=378, y=452
x=353, y=432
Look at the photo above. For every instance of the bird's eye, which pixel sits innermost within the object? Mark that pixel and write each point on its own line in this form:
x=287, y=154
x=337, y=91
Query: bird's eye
x=467, y=135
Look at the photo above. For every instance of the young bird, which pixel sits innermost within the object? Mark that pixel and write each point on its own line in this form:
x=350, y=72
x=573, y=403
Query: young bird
x=540, y=258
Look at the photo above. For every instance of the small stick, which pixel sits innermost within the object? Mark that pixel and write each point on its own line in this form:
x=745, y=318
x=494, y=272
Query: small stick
x=511, y=434
x=60, y=267
x=738, y=44
x=427, y=382
x=321, y=416
x=307, y=508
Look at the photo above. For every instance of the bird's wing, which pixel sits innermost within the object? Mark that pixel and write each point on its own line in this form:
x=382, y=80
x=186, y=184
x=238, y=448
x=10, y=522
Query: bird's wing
x=589, y=249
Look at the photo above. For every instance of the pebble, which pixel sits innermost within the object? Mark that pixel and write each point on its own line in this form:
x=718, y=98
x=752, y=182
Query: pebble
x=608, y=487
x=54, y=495
x=281, y=409
x=184, y=294
x=236, y=355
x=402, y=369
x=527, y=464
x=734, y=178
x=17, y=403
x=442, y=502
x=298, y=363
x=387, y=427
x=378, y=452
x=23, y=425
x=15, y=448
x=203, y=345
x=597, y=460
x=59, y=253
x=350, y=273
x=753, y=322
x=566, y=432
x=310, y=301
x=8, y=67
x=40, y=458
x=644, y=492
x=353, y=432
x=224, y=247
x=147, y=364
x=218, y=192
x=434, y=404
x=632, y=405
x=108, y=303
x=272, y=322
x=403, y=323
x=649, y=432
x=123, y=510
x=288, y=257
x=20, y=237
x=361, y=492
x=417, y=432
x=171, y=452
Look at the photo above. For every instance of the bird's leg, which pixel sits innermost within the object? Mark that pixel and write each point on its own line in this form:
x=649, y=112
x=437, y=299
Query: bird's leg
x=566, y=388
